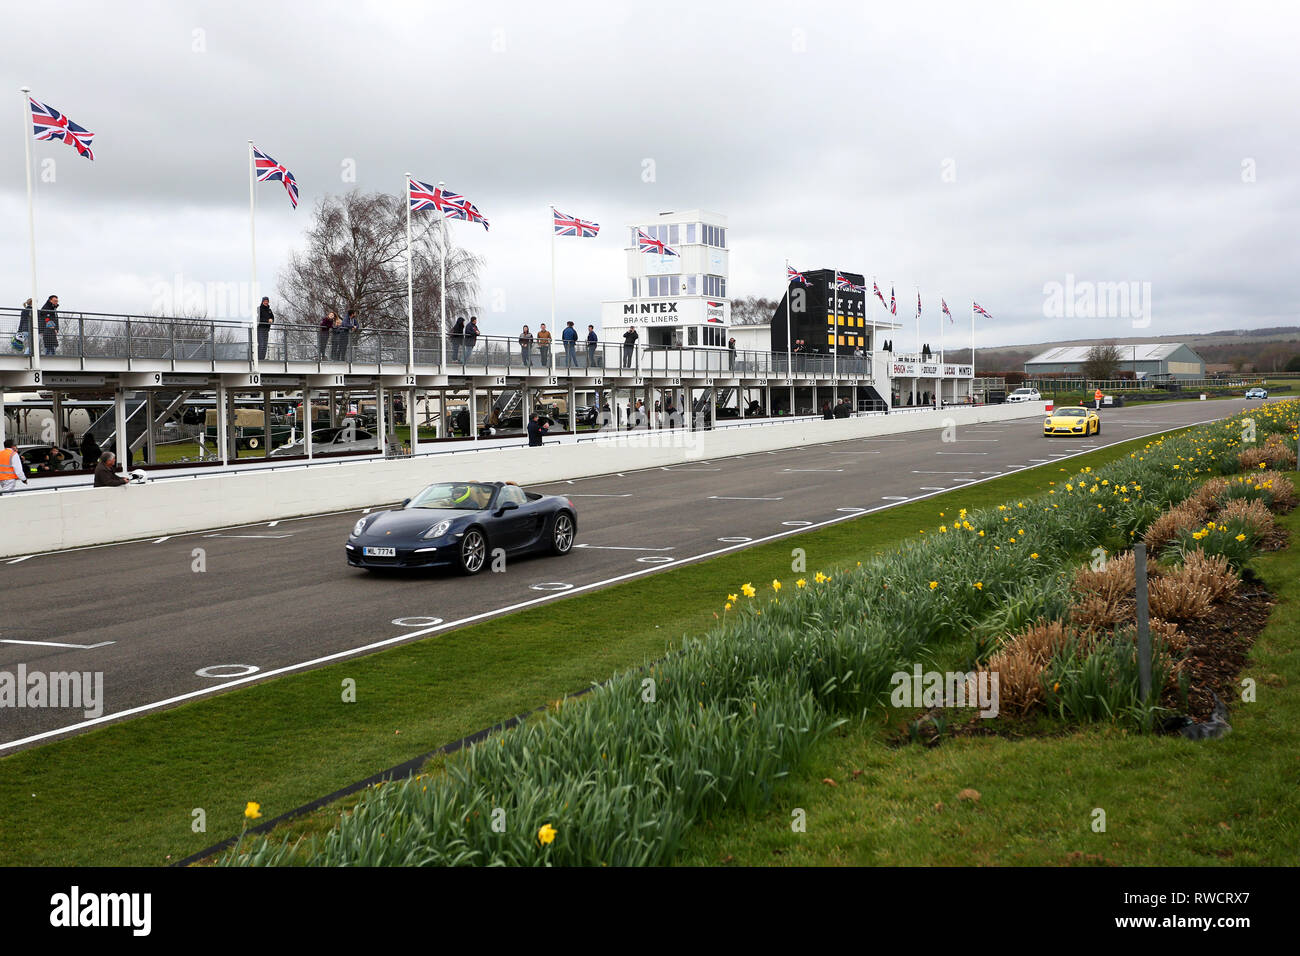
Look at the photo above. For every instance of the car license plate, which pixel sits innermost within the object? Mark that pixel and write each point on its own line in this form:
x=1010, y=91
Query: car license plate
x=380, y=552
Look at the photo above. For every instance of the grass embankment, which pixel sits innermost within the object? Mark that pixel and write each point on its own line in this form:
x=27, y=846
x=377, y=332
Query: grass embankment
x=1168, y=801
x=124, y=794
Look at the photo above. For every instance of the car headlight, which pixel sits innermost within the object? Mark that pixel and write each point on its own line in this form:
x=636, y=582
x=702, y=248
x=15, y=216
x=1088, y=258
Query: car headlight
x=359, y=526
x=438, y=530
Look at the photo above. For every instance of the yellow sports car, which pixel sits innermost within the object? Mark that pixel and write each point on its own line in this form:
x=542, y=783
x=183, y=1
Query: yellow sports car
x=1075, y=420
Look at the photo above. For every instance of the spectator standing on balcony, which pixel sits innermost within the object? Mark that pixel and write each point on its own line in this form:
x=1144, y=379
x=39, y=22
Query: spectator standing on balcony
x=23, y=336
x=338, y=338
x=264, y=319
x=592, y=341
x=457, y=337
x=731, y=352
x=526, y=347
x=629, y=343
x=544, y=344
x=471, y=336
x=49, y=320
x=323, y=335
x=351, y=331
x=570, y=337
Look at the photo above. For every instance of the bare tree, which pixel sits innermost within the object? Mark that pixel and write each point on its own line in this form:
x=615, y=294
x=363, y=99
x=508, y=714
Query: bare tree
x=356, y=259
x=753, y=310
x=1103, y=361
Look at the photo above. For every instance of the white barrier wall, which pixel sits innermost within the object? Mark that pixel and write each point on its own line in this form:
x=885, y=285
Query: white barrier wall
x=38, y=521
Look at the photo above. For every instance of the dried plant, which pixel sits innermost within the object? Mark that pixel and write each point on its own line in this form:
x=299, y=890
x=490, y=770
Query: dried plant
x=1174, y=598
x=1184, y=517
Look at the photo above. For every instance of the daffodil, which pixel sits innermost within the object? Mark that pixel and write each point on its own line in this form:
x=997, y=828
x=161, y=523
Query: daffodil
x=776, y=585
x=747, y=589
x=546, y=835
x=801, y=583
x=253, y=810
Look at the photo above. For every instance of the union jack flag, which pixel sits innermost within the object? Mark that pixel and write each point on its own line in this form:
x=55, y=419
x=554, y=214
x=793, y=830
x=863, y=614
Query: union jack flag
x=918, y=305
x=944, y=305
x=794, y=275
x=893, y=306
x=454, y=206
x=268, y=170
x=421, y=195
x=573, y=226
x=648, y=243
x=980, y=309
x=49, y=124
x=844, y=284
x=880, y=295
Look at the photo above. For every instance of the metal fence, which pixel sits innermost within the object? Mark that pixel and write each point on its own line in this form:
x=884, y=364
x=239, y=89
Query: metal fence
x=90, y=336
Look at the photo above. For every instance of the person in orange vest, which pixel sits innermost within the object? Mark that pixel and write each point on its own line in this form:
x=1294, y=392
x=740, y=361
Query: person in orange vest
x=11, y=468
x=1097, y=397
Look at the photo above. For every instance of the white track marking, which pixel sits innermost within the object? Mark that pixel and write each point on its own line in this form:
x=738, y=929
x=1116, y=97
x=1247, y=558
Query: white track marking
x=961, y=453
x=894, y=498
x=588, y=495
x=616, y=547
x=801, y=471
x=265, y=536
x=471, y=619
x=20, y=560
x=736, y=498
x=273, y=524
x=79, y=647
x=165, y=537
x=916, y=472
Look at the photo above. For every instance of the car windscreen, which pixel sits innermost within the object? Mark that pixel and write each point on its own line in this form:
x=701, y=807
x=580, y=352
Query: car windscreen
x=456, y=496
x=1070, y=413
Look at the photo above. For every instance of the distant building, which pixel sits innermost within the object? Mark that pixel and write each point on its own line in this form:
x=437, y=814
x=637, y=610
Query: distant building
x=1151, y=360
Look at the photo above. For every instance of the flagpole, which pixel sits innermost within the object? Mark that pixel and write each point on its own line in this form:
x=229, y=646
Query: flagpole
x=789, y=355
x=252, y=236
x=972, y=341
x=835, y=342
x=552, y=208
x=28, y=133
x=410, y=287
x=442, y=288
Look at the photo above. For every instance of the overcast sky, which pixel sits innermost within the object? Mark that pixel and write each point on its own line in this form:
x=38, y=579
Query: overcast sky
x=978, y=151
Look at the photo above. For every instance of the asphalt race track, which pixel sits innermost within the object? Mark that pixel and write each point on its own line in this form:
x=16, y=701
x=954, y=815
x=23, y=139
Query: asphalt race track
x=279, y=597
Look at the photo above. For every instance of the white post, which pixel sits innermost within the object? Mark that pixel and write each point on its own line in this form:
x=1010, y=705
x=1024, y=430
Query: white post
x=872, y=309
x=380, y=419
x=223, y=425
x=442, y=295
x=789, y=354
x=28, y=133
x=252, y=235
x=835, y=343
x=552, y=208
x=918, y=299
x=972, y=347
x=410, y=287
x=308, y=421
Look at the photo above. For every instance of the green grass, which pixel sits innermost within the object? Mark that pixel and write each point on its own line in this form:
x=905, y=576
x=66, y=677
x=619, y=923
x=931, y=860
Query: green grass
x=1168, y=801
x=123, y=794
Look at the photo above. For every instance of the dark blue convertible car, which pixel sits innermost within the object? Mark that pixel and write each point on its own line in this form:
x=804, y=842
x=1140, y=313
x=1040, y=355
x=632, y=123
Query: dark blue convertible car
x=462, y=524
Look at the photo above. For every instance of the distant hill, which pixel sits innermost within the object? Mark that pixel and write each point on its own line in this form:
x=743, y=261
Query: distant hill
x=1247, y=350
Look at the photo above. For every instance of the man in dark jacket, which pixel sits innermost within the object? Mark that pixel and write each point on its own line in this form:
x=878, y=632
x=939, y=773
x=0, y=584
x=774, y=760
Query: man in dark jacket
x=264, y=319
x=592, y=341
x=105, y=476
x=49, y=322
x=629, y=343
x=536, y=429
x=471, y=336
x=842, y=410
x=457, y=336
x=570, y=337
x=89, y=450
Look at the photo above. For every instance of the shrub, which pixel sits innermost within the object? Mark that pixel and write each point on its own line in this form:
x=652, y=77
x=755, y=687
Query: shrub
x=1190, y=514
x=1020, y=663
x=1177, y=599
x=1256, y=516
x=1233, y=539
x=1276, y=453
x=1210, y=572
x=1097, y=680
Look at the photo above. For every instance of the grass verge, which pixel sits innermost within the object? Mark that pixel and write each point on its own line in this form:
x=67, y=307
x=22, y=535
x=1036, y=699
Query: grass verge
x=1167, y=801
x=126, y=793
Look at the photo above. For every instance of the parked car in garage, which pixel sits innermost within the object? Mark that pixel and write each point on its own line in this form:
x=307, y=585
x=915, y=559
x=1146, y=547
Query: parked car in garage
x=40, y=459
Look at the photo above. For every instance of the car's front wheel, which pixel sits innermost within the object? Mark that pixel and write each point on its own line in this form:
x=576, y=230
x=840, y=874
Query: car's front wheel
x=1098, y=431
x=562, y=533
x=473, y=551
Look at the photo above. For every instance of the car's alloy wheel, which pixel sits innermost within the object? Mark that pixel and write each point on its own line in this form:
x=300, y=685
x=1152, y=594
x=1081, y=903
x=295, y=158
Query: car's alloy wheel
x=562, y=534
x=473, y=551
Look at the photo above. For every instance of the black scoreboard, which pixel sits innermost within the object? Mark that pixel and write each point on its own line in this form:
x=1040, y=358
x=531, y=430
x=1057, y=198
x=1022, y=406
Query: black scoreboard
x=823, y=317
